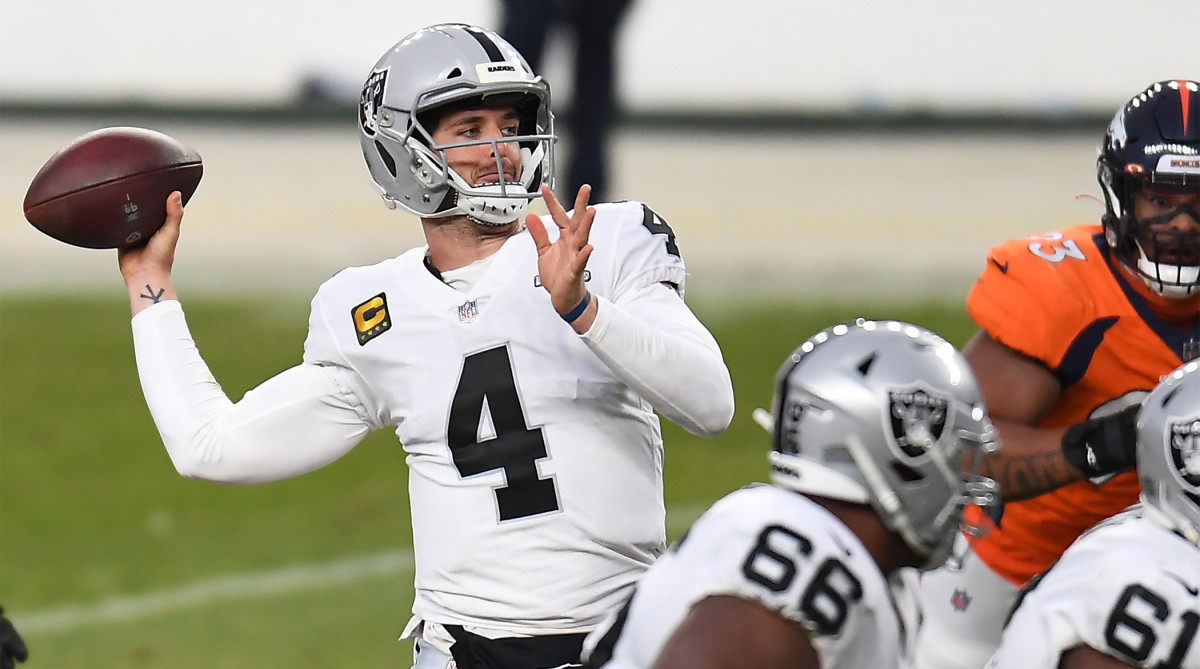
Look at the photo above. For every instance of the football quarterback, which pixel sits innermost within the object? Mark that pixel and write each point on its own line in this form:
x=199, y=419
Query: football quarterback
x=522, y=362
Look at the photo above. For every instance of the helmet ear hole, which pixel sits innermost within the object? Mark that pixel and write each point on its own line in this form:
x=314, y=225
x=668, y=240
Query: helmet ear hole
x=906, y=473
x=388, y=161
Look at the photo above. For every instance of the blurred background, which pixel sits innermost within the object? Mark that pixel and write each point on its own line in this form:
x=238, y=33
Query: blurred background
x=789, y=142
x=817, y=161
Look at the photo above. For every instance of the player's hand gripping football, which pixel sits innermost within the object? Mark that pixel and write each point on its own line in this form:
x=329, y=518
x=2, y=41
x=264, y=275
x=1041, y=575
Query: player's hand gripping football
x=147, y=268
x=561, y=264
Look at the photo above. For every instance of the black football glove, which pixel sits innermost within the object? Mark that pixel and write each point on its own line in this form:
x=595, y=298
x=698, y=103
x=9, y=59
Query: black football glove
x=1101, y=447
x=11, y=645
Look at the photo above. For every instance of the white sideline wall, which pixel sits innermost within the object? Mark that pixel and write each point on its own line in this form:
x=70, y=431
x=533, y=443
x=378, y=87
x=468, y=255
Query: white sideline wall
x=1017, y=55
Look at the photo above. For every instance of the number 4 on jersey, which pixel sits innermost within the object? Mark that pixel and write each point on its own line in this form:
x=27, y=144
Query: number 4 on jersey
x=487, y=380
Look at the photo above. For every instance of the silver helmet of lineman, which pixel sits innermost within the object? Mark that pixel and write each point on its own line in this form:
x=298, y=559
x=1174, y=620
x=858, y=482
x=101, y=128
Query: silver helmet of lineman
x=436, y=69
x=1168, y=451
x=887, y=414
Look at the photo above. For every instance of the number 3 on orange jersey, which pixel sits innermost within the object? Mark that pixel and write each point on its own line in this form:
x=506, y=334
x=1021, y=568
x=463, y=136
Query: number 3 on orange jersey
x=1054, y=252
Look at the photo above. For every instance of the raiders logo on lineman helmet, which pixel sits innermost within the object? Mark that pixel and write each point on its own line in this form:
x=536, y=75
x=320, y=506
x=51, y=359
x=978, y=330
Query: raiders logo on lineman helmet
x=887, y=414
x=918, y=420
x=1168, y=451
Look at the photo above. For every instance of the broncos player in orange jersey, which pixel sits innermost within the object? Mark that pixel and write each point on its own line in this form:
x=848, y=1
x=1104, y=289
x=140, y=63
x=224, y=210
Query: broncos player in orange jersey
x=1077, y=326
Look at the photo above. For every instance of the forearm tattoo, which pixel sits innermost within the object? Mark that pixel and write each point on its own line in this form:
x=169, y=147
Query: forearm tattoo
x=1022, y=478
x=153, y=296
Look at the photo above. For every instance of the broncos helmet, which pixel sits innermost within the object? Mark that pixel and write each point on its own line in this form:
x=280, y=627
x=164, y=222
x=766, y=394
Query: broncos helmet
x=1153, y=139
x=1168, y=451
x=887, y=414
x=438, y=68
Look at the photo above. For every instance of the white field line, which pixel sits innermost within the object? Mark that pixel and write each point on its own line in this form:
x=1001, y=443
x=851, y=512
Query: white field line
x=275, y=582
x=225, y=588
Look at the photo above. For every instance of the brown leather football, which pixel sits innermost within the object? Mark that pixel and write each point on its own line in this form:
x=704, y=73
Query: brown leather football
x=109, y=188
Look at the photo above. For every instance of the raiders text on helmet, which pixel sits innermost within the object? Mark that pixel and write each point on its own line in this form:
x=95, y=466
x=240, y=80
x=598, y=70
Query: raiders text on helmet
x=445, y=67
x=1154, y=139
x=887, y=414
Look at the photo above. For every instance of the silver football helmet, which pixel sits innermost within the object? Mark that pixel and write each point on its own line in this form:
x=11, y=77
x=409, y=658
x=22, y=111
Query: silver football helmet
x=1168, y=451
x=451, y=65
x=887, y=414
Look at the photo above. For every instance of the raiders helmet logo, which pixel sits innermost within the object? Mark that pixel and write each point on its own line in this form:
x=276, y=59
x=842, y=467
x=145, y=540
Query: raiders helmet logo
x=1185, y=452
x=371, y=101
x=918, y=418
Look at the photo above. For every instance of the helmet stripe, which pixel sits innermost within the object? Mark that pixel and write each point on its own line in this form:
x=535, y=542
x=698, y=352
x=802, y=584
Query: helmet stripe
x=486, y=42
x=1185, y=98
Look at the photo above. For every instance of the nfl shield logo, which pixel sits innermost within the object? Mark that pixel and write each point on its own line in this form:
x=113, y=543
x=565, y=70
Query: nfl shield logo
x=468, y=312
x=918, y=420
x=1185, y=452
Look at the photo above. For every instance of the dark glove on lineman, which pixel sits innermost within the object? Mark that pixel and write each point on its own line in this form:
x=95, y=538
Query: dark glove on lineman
x=1103, y=446
x=11, y=645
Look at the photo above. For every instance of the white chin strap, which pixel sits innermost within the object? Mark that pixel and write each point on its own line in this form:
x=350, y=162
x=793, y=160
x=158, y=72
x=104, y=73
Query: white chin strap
x=498, y=204
x=490, y=211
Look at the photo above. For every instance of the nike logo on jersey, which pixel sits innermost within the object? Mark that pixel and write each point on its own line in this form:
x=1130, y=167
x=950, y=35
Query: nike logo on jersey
x=1002, y=266
x=1192, y=590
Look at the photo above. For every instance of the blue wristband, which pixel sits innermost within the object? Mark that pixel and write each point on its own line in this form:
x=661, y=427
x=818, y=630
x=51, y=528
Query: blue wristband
x=578, y=311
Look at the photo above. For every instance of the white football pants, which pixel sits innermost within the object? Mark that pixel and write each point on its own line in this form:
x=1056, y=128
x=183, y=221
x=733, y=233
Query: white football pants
x=964, y=613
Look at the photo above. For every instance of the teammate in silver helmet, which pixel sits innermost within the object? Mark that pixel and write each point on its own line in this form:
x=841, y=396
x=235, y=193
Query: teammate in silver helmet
x=522, y=361
x=1125, y=594
x=878, y=428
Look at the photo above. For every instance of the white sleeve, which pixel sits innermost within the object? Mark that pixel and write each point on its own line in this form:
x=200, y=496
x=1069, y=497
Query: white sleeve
x=295, y=422
x=654, y=343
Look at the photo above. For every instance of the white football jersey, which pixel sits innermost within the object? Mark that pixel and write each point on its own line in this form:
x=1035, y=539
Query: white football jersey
x=1129, y=588
x=535, y=474
x=780, y=549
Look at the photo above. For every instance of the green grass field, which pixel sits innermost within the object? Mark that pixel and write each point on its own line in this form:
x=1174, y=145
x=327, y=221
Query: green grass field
x=109, y=559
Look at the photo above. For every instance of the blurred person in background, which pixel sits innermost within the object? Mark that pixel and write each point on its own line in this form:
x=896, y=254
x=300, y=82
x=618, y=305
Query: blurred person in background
x=873, y=425
x=12, y=646
x=520, y=361
x=1125, y=593
x=1077, y=326
x=593, y=26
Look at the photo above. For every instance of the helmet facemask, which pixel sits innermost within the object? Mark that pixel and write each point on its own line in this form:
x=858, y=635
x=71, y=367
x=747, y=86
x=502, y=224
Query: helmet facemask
x=1167, y=260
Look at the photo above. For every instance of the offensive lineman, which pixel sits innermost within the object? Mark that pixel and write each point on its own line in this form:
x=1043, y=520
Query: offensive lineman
x=520, y=365
x=874, y=423
x=1127, y=593
x=1076, y=327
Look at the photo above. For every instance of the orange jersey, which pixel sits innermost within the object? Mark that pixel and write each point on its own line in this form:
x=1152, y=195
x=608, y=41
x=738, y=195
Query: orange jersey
x=1057, y=298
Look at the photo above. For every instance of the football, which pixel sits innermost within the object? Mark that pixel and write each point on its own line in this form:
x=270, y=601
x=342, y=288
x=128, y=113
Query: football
x=108, y=189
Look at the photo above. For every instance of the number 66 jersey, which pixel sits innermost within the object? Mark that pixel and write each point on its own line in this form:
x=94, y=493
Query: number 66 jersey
x=1128, y=588
x=783, y=551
